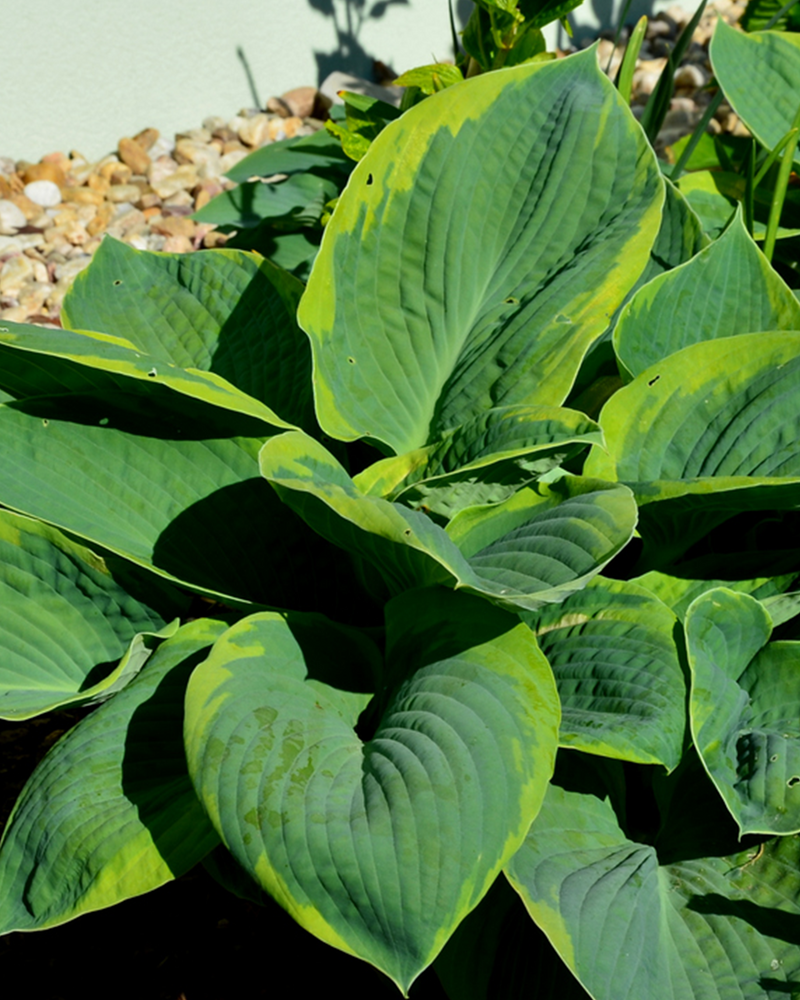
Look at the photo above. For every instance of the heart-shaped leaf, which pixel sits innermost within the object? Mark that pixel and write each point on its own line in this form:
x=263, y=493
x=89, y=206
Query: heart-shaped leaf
x=421, y=318
x=379, y=847
x=728, y=288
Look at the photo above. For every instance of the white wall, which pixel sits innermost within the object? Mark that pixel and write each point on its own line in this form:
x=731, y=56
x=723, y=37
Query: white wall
x=80, y=75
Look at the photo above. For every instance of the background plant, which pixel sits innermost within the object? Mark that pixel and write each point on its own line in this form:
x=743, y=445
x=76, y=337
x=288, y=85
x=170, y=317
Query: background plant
x=489, y=681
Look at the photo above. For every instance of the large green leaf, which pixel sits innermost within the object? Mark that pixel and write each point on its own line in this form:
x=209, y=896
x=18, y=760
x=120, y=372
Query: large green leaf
x=530, y=550
x=222, y=311
x=760, y=74
x=483, y=461
x=41, y=361
x=745, y=710
x=69, y=633
x=162, y=488
x=615, y=660
x=679, y=592
x=704, y=434
x=319, y=151
x=110, y=812
x=379, y=847
x=728, y=288
x=421, y=317
x=696, y=917
x=299, y=199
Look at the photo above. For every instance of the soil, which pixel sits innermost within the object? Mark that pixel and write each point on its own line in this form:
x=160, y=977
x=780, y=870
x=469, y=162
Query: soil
x=189, y=940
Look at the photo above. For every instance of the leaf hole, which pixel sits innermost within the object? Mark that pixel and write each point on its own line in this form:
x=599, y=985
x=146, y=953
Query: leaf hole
x=773, y=758
x=511, y=301
x=369, y=179
x=794, y=780
x=351, y=361
x=654, y=380
x=152, y=373
x=45, y=423
x=407, y=533
x=117, y=281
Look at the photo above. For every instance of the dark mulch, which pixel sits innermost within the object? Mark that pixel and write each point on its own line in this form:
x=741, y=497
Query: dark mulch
x=188, y=940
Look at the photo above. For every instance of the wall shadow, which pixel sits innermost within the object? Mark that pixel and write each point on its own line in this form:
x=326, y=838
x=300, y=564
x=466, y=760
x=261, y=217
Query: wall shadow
x=348, y=18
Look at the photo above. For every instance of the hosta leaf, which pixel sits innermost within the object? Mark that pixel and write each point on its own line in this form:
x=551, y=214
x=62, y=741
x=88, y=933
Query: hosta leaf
x=380, y=847
x=223, y=311
x=708, y=432
x=706, y=921
x=160, y=487
x=69, y=633
x=728, y=288
x=622, y=689
x=713, y=194
x=533, y=549
x=318, y=151
x=483, y=461
x=760, y=74
x=680, y=237
x=38, y=361
x=421, y=319
x=299, y=199
x=678, y=592
x=110, y=812
x=745, y=710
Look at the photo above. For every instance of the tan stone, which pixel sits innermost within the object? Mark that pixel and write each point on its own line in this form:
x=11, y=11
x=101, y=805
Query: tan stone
x=145, y=139
x=45, y=172
x=175, y=225
x=181, y=199
x=255, y=131
x=98, y=183
x=178, y=244
x=14, y=314
x=105, y=213
x=132, y=154
x=161, y=168
x=5, y=188
x=123, y=192
x=301, y=101
x=28, y=208
x=215, y=239
x=152, y=213
x=40, y=272
x=14, y=274
x=82, y=195
x=183, y=179
x=69, y=213
x=34, y=295
x=277, y=106
x=124, y=223
x=115, y=172
x=149, y=200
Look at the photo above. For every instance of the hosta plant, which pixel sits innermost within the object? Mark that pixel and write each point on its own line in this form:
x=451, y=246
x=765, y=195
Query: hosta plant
x=380, y=618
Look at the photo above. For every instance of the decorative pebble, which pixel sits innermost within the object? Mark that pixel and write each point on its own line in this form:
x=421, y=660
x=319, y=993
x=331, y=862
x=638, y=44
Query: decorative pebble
x=11, y=218
x=145, y=191
x=44, y=193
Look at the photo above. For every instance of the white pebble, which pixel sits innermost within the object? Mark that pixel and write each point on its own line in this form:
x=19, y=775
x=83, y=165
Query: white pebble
x=11, y=217
x=44, y=193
